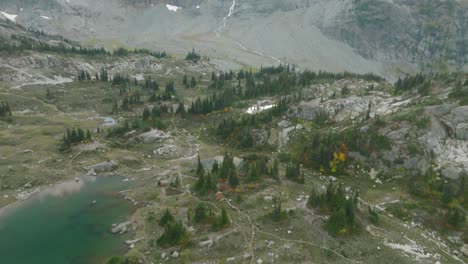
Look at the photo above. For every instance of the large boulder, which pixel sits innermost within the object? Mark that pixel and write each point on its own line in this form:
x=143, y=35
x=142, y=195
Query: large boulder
x=103, y=167
x=153, y=136
x=167, y=150
x=458, y=119
x=464, y=250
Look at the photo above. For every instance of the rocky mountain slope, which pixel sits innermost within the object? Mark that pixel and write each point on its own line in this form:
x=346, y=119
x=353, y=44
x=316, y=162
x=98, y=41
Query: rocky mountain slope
x=279, y=135
x=381, y=36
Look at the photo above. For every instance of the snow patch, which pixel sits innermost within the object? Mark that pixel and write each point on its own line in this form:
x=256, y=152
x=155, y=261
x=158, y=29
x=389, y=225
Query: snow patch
x=198, y=7
x=45, y=17
x=173, y=8
x=11, y=17
x=257, y=108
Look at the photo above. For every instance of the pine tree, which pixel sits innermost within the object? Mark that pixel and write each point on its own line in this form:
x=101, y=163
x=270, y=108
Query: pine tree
x=200, y=215
x=193, y=82
x=233, y=180
x=275, y=170
x=146, y=114
x=88, y=135
x=174, y=232
x=200, y=170
x=373, y=216
x=166, y=218
x=181, y=109
x=215, y=168
x=222, y=220
x=277, y=214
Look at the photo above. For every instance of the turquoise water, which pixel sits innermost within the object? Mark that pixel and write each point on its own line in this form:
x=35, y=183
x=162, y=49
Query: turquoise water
x=62, y=225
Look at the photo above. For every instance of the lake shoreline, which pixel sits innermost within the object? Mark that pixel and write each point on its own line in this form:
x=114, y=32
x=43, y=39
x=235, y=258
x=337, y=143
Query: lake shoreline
x=82, y=210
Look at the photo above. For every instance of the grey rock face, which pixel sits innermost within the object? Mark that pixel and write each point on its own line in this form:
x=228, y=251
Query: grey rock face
x=360, y=36
x=458, y=119
x=447, y=139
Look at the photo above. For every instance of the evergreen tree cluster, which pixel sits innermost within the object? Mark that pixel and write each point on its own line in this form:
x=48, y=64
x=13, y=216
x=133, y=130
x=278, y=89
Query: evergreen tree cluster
x=256, y=167
x=5, y=109
x=308, y=77
x=272, y=70
x=222, y=220
x=410, y=82
x=277, y=214
x=282, y=79
x=455, y=217
x=320, y=150
x=151, y=84
x=238, y=130
x=174, y=231
x=342, y=209
x=189, y=83
x=121, y=52
x=217, y=82
x=120, y=79
x=123, y=128
x=228, y=171
x=193, y=56
x=460, y=92
x=203, y=214
x=181, y=109
x=206, y=180
x=134, y=98
x=294, y=173
x=22, y=43
x=74, y=136
x=84, y=76
x=213, y=103
x=103, y=76
x=66, y=46
x=277, y=80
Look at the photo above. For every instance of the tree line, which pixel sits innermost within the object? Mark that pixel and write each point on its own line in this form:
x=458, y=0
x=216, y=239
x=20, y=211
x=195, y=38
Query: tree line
x=22, y=43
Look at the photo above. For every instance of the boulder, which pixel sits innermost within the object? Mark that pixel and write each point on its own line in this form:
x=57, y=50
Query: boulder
x=206, y=243
x=464, y=250
x=166, y=150
x=153, y=136
x=284, y=124
x=121, y=228
x=103, y=167
x=459, y=120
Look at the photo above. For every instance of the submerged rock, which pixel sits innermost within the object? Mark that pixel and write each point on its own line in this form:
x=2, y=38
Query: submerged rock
x=121, y=228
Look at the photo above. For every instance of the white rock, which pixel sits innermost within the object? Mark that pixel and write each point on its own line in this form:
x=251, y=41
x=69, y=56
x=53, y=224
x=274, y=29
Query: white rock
x=464, y=250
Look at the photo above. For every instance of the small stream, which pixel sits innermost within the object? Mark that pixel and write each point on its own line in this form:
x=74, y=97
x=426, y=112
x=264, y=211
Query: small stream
x=67, y=223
